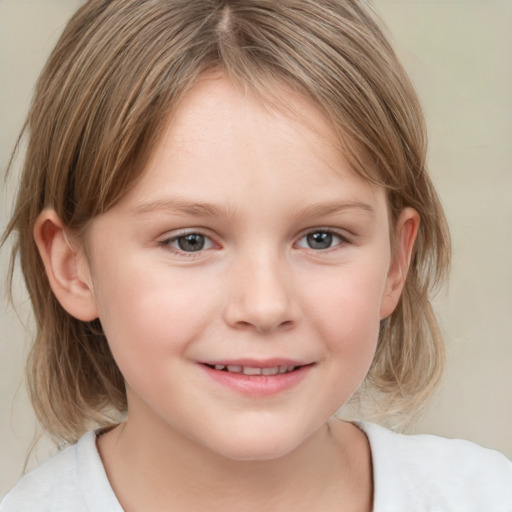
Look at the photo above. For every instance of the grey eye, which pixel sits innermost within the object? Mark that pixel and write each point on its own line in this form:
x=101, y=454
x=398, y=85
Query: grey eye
x=320, y=240
x=191, y=243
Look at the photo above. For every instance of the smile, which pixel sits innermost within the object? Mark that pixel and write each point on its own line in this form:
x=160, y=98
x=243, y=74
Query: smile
x=257, y=379
x=252, y=370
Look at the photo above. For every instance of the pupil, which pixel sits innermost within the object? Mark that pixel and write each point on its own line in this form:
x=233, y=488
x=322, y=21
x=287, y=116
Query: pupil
x=191, y=243
x=320, y=240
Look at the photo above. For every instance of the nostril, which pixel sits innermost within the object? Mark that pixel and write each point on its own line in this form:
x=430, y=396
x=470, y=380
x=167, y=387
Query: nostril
x=285, y=325
x=273, y=327
x=260, y=312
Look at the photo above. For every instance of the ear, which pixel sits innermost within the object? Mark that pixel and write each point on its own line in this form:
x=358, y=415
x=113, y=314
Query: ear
x=406, y=230
x=66, y=267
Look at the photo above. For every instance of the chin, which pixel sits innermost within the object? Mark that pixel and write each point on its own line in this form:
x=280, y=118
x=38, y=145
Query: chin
x=254, y=445
x=255, y=453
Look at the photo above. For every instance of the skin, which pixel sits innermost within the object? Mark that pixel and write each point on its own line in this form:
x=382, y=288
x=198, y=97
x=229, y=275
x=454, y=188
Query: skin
x=257, y=290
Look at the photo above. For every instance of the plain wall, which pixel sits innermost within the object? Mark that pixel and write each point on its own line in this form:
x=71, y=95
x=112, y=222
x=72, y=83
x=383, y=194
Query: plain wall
x=459, y=54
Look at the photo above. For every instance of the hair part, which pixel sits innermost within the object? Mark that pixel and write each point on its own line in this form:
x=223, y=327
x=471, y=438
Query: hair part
x=115, y=77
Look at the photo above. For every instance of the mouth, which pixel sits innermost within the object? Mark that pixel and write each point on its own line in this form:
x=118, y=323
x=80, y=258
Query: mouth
x=255, y=370
x=258, y=378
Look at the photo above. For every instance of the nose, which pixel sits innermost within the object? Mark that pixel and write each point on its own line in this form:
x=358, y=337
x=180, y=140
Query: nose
x=260, y=295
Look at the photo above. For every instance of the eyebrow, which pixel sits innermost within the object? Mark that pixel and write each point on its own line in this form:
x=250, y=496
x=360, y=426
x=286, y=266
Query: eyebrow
x=175, y=205
x=200, y=209
x=333, y=207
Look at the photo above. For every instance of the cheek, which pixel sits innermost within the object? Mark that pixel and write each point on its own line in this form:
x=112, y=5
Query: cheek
x=350, y=298
x=147, y=314
x=345, y=313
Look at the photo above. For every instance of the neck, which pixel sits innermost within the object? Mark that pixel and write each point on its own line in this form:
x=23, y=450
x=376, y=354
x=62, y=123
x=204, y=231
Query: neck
x=325, y=468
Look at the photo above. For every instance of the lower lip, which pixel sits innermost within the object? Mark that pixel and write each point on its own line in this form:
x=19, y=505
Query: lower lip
x=258, y=385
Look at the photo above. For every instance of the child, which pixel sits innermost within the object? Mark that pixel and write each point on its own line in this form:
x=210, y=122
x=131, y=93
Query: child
x=226, y=228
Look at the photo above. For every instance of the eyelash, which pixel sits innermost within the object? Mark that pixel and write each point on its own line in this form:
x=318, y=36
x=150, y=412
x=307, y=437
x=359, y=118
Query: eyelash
x=343, y=240
x=167, y=243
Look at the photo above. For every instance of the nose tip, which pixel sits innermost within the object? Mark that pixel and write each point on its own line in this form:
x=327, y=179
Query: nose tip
x=261, y=300
x=264, y=323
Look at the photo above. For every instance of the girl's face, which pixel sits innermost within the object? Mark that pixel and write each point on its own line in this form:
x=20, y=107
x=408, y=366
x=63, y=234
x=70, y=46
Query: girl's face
x=241, y=282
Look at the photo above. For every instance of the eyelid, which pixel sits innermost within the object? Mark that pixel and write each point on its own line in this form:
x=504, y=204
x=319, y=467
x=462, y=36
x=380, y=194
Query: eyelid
x=166, y=242
x=344, y=239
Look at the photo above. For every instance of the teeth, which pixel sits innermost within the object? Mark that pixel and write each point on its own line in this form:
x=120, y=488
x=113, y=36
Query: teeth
x=249, y=370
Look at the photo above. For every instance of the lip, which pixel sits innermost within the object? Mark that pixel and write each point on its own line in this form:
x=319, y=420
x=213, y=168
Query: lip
x=257, y=363
x=257, y=385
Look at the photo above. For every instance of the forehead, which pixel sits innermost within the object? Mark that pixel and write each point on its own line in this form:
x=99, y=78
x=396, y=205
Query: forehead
x=222, y=139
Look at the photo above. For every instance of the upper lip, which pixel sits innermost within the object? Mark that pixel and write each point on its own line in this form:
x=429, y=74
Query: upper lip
x=256, y=363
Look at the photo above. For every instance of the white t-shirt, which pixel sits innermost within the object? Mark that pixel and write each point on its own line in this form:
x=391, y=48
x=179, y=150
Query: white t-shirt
x=411, y=474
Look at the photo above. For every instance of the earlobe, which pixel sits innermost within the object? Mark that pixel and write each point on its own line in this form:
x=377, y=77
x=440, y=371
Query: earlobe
x=406, y=231
x=66, y=267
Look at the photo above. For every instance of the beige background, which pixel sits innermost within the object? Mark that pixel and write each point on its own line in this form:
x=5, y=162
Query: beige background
x=459, y=54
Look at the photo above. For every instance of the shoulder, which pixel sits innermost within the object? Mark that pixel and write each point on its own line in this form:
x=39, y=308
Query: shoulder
x=430, y=473
x=54, y=480
x=74, y=479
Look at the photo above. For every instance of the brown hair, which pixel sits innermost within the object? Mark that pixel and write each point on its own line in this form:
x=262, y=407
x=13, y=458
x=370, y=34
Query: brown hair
x=101, y=102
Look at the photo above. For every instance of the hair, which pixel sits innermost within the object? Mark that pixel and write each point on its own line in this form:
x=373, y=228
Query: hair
x=100, y=105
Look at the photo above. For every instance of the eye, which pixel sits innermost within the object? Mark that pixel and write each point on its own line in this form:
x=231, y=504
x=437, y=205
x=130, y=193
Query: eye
x=188, y=243
x=320, y=240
